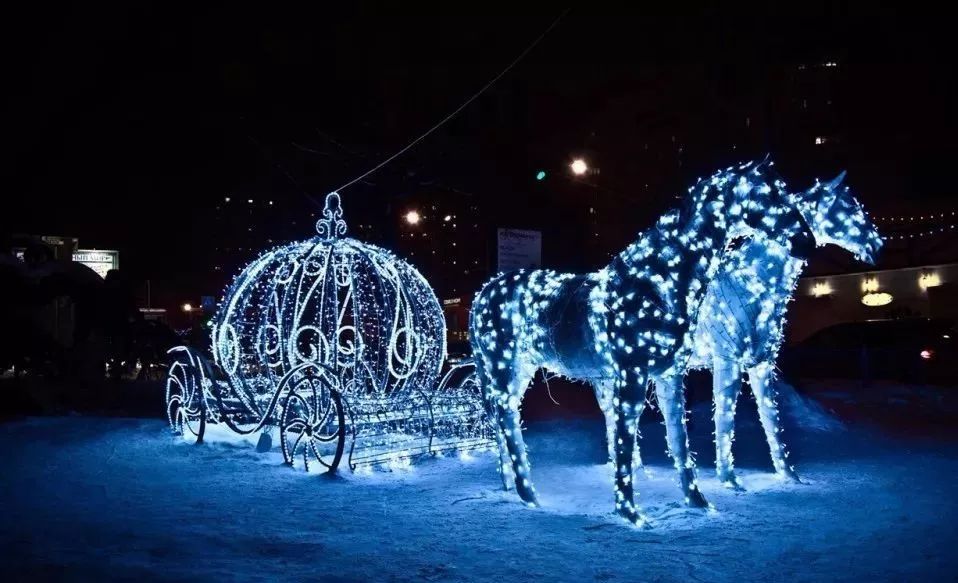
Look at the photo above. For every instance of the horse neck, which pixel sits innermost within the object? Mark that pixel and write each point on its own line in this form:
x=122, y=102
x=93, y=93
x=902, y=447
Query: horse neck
x=766, y=260
x=697, y=237
x=702, y=234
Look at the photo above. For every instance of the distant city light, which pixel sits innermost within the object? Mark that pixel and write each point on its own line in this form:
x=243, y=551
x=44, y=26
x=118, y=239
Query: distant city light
x=447, y=218
x=249, y=200
x=927, y=354
x=540, y=175
x=227, y=199
x=413, y=218
x=579, y=167
x=187, y=308
x=820, y=140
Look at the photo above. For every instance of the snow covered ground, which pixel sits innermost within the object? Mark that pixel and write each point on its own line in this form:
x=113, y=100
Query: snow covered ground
x=92, y=498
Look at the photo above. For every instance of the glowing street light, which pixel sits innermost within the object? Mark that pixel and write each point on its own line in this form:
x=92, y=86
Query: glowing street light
x=579, y=167
x=187, y=308
x=413, y=218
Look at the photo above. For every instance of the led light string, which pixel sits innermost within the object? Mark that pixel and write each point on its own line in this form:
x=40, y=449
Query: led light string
x=912, y=218
x=921, y=234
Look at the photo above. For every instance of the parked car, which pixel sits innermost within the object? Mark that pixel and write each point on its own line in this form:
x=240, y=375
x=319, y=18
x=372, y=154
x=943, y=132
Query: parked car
x=909, y=350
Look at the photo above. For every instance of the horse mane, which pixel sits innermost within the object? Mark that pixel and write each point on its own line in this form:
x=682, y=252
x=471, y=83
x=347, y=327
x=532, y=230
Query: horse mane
x=702, y=192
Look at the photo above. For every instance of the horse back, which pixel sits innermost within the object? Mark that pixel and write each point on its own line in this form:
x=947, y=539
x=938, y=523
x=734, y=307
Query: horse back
x=571, y=347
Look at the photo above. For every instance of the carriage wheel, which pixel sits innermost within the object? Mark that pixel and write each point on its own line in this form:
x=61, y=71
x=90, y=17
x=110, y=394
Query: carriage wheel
x=185, y=402
x=313, y=425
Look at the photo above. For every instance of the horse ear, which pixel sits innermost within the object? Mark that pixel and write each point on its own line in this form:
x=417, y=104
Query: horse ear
x=828, y=198
x=837, y=181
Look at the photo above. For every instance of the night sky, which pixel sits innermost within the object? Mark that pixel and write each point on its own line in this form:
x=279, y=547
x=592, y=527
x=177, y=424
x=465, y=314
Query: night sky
x=125, y=125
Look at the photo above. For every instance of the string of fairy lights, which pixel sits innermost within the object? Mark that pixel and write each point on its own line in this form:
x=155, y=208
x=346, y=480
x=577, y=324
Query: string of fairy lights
x=921, y=234
x=903, y=227
x=913, y=218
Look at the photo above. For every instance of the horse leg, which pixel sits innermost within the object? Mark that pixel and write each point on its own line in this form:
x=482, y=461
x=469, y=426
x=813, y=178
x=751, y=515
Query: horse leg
x=489, y=391
x=762, y=379
x=671, y=396
x=726, y=386
x=628, y=408
x=604, y=395
x=510, y=425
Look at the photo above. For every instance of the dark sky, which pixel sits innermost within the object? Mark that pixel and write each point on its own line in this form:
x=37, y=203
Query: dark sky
x=125, y=123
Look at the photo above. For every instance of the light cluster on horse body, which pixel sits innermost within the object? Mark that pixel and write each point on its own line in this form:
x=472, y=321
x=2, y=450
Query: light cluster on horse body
x=630, y=322
x=742, y=318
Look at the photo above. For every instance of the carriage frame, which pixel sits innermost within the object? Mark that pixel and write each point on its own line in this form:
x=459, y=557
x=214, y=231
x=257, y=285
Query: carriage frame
x=319, y=421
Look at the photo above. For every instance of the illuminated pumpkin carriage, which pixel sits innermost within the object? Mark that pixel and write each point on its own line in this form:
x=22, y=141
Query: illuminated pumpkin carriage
x=330, y=343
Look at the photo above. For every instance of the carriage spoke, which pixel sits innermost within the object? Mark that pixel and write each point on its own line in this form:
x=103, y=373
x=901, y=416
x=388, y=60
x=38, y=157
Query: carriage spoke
x=327, y=438
x=295, y=422
x=319, y=458
x=295, y=446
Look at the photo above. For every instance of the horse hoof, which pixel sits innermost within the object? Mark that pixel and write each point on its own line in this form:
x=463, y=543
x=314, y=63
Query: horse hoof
x=695, y=499
x=791, y=476
x=529, y=499
x=634, y=517
x=732, y=482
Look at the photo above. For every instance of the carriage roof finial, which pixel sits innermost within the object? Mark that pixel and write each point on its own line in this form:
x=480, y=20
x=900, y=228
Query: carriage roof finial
x=332, y=224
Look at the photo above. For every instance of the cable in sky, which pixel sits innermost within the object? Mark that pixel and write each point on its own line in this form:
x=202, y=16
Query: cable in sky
x=461, y=107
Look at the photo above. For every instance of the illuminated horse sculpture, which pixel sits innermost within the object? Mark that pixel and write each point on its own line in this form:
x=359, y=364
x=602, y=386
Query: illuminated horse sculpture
x=741, y=320
x=623, y=326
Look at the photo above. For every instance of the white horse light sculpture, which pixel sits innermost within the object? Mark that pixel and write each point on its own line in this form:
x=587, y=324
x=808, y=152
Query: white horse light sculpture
x=622, y=326
x=742, y=316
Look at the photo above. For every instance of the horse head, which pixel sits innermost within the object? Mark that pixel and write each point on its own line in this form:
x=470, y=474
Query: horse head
x=835, y=217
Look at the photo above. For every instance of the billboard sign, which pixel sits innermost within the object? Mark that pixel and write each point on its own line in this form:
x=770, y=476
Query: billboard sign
x=100, y=261
x=519, y=249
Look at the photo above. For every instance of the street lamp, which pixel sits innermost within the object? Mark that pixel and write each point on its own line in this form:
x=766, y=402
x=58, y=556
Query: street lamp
x=187, y=308
x=413, y=218
x=579, y=167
